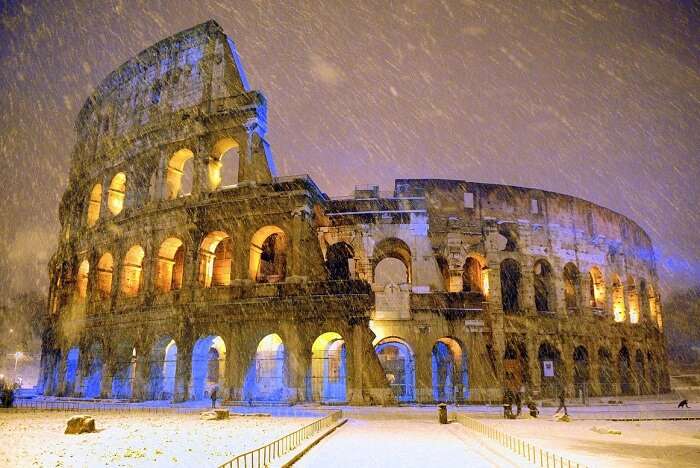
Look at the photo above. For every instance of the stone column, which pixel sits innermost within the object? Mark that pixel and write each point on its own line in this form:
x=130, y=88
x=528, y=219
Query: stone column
x=183, y=369
x=424, y=373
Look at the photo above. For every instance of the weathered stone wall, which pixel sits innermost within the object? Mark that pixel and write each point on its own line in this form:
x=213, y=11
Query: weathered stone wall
x=185, y=101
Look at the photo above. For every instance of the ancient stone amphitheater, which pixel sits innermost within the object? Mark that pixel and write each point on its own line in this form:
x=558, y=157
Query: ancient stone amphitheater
x=185, y=264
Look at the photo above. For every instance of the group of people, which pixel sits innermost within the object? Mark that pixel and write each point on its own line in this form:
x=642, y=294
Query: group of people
x=511, y=397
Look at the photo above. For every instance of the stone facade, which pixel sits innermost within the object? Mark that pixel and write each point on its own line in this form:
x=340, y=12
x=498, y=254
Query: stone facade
x=269, y=289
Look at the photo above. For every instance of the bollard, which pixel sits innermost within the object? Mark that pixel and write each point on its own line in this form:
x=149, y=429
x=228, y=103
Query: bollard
x=442, y=413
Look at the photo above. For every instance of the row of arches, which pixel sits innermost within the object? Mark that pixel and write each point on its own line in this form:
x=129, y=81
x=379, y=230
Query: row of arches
x=268, y=251
x=616, y=373
x=639, y=300
x=266, y=378
x=178, y=179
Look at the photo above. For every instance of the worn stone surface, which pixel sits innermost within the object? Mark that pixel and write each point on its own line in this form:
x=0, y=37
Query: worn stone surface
x=80, y=424
x=521, y=287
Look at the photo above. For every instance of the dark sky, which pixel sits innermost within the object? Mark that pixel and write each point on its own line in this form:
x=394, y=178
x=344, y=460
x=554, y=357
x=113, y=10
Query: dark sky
x=596, y=99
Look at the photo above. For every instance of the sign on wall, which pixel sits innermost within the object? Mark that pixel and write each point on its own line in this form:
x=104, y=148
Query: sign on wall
x=548, y=367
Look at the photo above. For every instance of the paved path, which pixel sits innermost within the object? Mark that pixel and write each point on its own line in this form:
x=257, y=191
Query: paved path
x=401, y=440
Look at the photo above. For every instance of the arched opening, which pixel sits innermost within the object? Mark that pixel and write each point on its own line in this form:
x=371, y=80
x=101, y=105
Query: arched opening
x=632, y=300
x=92, y=382
x=81, y=283
x=208, y=367
x=551, y=371
x=618, y=297
x=339, y=262
x=653, y=306
x=131, y=271
x=510, y=233
x=72, y=360
x=510, y=285
x=266, y=379
x=472, y=277
x=450, y=374
x=124, y=372
x=581, y=372
x=544, y=287
x=388, y=255
x=596, y=289
x=328, y=368
x=268, y=255
x=515, y=360
x=105, y=267
x=398, y=362
x=223, y=164
x=572, y=286
x=94, y=205
x=215, y=260
x=117, y=193
x=641, y=383
x=606, y=375
x=179, y=178
x=171, y=265
x=624, y=368
x=162, y=367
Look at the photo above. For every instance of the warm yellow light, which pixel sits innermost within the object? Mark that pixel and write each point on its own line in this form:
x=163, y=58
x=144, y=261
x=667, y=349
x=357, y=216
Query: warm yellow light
x=215, y=162
x=256, y=244
x=117, y=193
x=176, y=169
x=131, y=271
x=93, y=213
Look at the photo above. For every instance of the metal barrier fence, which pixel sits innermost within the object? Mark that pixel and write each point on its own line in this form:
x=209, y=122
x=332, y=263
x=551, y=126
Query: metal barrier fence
x=534, y=454
x=262, y=456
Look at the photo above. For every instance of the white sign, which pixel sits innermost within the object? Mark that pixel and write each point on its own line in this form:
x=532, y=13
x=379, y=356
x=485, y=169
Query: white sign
x=548, y=368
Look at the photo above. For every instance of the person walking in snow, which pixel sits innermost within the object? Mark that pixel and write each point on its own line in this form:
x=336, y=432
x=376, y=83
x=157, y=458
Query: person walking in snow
x=213, y=398
x=562, y=401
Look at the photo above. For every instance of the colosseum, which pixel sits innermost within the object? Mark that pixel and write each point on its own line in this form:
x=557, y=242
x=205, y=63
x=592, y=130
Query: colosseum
x=184, y=264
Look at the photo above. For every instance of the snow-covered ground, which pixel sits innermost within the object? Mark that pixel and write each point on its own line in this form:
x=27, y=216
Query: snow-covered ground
x=134, y=439
x=640, y=444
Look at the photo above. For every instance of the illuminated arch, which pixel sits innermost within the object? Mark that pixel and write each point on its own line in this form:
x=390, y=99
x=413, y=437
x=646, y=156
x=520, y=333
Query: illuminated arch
x=179, y=168
x=215, y=260
x=632, y=300
x=131, y=271
x=618, y=297
x=208, y=367
x=450, y=375
x=473, y=279
x=550, y=384
x=224, y=155
x=328, y=368
x=398, y=361
x=81, y=283
x=391, y=248
x=162, y=369
x=117, y=193
x=266, y=378
x=596, y=288
x=171, y=264
x=105, y=268
x=268, y=255
x=94, y=205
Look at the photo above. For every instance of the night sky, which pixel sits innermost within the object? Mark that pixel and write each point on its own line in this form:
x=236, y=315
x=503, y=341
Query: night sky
x=599, y=100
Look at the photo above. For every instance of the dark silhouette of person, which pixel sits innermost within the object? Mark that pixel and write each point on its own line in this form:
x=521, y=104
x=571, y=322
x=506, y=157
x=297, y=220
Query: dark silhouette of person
x=213, y=398
x=562, y=401
x=508, y=398
x=683, y=404
x=518, y=402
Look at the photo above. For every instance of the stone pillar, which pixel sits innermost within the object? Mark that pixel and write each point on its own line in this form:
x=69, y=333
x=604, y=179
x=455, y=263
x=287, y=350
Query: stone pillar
x=424, y=373
x=298, y=366
x=534, y=363
x=241, y=260
x=108, y=369
x=142, y=371
x=183, y=369
x=296, y=264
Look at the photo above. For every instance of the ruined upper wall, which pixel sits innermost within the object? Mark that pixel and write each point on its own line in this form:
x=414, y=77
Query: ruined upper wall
x=188, y=69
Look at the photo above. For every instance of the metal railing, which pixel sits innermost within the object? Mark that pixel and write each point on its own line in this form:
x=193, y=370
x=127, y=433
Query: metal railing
x=535, y=455
x=262, y=456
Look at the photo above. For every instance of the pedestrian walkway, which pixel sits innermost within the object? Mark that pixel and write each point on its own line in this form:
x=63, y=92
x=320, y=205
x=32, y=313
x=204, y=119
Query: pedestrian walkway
x=401, y=438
